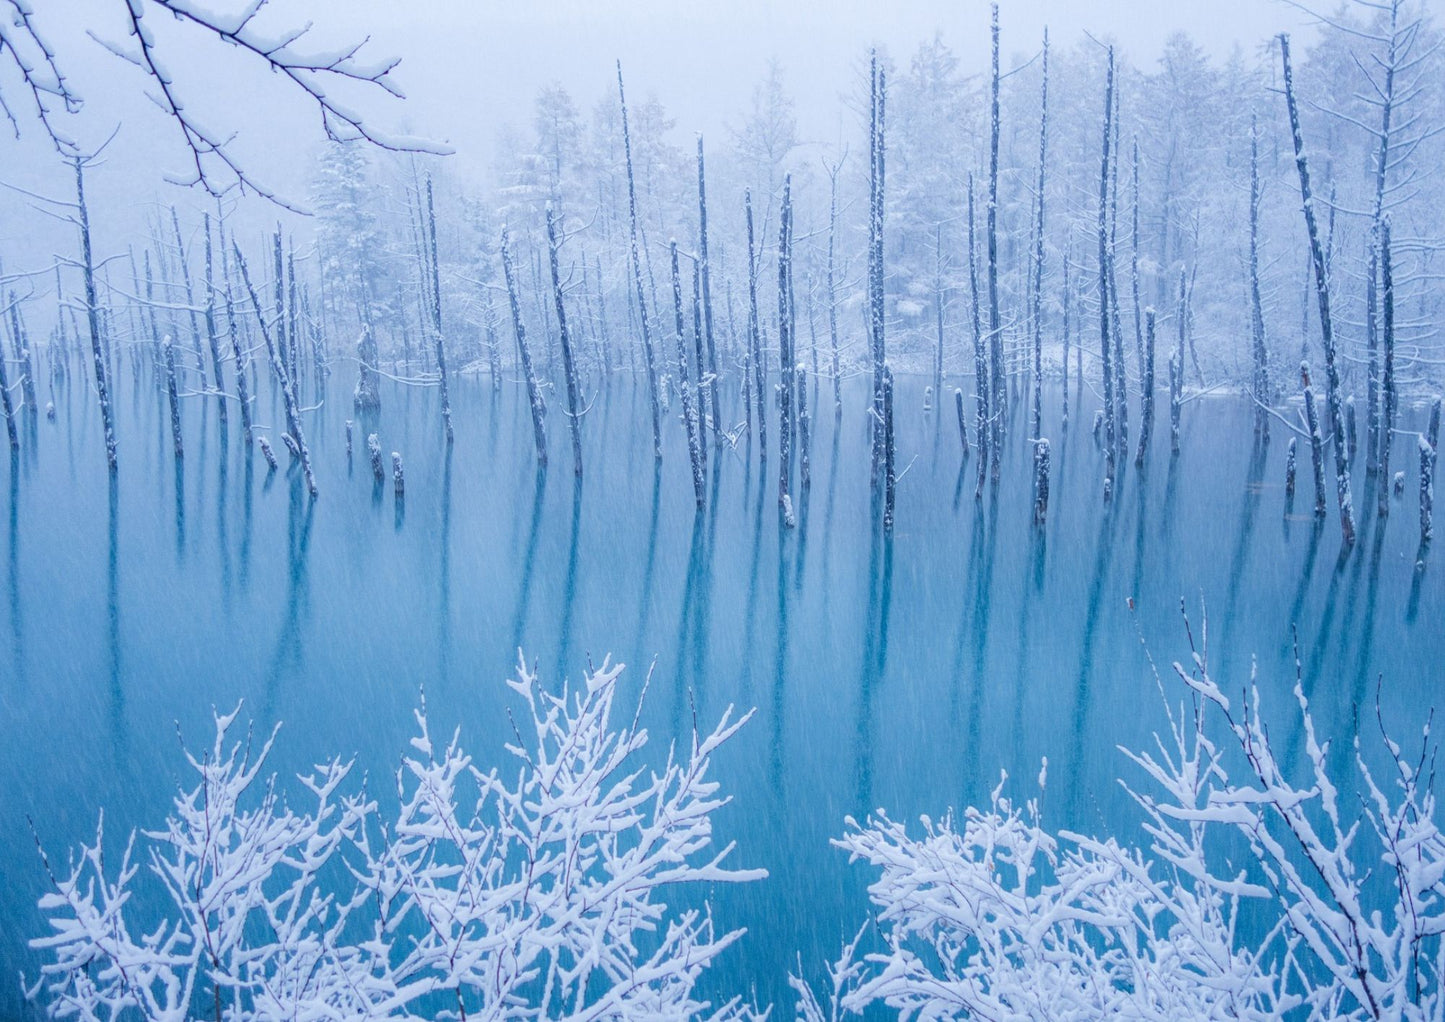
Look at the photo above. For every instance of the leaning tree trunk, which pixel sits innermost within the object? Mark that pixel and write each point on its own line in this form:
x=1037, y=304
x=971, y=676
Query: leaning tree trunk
x=569, y=367
x=637, y=275
x=534, y=392
x=1322, y=291
x=238, y=355
x=288, y=387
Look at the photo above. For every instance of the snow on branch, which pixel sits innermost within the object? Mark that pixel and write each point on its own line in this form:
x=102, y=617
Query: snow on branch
x=1256, y=897
x=532, y=893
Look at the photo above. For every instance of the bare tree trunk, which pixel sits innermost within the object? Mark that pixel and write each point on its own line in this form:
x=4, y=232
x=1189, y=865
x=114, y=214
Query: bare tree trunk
x=889, y=457
x=102, y=387
x=212, y=341
x=1041, y=480
x=637, y=275
x=1146, y=391
x=1322, y=289
x=173, y=395
x=1256, y=305
x=1388, y=395
x=833, y=290
x=755, y=343
x=534, y=393
x=786, y=360
x=1312, y=422
x=238, y=355
x=436, y=318
x=1104, y=293
x=706, y=273
x=1038, y=303
x=999, y=396
x=288, y=389
x=693, y=446
x=982, y=381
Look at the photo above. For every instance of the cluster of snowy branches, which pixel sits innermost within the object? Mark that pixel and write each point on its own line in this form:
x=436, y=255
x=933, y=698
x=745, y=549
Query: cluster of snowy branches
x=1258, y=897
x=482, y=896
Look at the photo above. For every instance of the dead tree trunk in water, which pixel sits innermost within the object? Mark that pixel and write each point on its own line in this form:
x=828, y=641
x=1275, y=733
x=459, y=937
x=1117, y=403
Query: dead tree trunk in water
x=832, y=288
x=875, y=255
x=173, y=395
x=1104, y=318
x=211, y=339
x=705, y=270
x=534, y=392
x=92, y=312
x=1312, y=422
x=569, y=365
x=1146, y=390
x=1388, y=395
x=998, y=397
x=637, y=274
x=786, y=338
x=890, y=462
x=755, y=342
x=982, y=381
x=1322, y=290
x=1256, y=305
x=436, y=318
x=1038, y=302
x=687, y=416
x=288, y=387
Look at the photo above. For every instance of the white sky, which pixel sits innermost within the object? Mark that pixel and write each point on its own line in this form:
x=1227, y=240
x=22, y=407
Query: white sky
x=469, y=66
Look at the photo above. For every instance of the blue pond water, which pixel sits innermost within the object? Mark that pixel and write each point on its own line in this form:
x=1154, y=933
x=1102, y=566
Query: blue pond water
x=904, y=673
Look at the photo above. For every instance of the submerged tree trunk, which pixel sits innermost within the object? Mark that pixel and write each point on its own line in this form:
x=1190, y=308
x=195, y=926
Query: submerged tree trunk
x=1256, y=305
x=1104, y=293
x=92, y=312
x=755, y=342
x=693, y=446
x=569, y=366
x=1388, y=396
x=982, y=385
x=288, y=387
x=705, y=270
x=637, y=275
x=173, y=395
x=534, y=392
x=1312, y=422
x=1146, y=390
x=786, y=339
x=1322, y=290
x=998, y=395
x=1038, y=303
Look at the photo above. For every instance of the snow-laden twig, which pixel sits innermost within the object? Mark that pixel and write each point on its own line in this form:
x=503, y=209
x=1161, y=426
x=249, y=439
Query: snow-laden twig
x=532, y=893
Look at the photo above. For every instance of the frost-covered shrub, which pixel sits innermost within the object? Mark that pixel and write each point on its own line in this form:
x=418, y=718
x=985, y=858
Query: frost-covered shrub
x=534, y=896
x=1257, y=897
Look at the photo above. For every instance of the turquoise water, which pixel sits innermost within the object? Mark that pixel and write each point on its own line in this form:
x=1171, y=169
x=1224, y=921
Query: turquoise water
x=904, y=672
